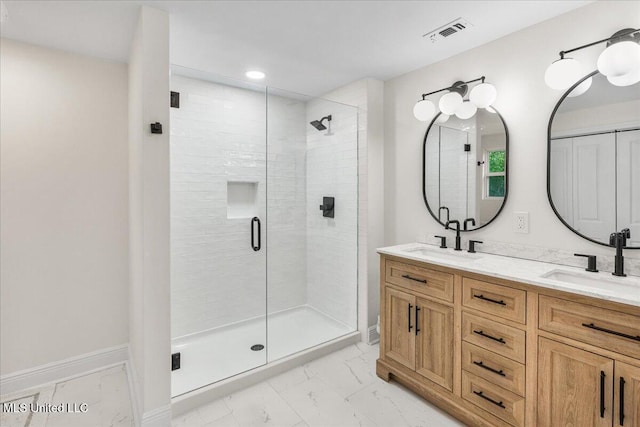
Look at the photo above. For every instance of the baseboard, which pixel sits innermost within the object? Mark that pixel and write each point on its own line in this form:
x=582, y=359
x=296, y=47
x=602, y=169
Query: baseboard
x=159, y=417
x=55, y=371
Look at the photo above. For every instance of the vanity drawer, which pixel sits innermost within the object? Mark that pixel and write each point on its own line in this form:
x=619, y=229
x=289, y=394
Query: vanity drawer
x=494, y=368
x=490, y=335
x=426, y=281
x=613, y=330
x=499, y=402
x=495, y=300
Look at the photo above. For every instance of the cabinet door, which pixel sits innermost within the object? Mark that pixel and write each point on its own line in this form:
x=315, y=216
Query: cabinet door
x=434, y=356
x=575, y=387
x=627, y=396
x=400, y=343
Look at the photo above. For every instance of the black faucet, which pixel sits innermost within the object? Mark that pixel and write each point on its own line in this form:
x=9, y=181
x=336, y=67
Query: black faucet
x=446, y=209
x=443, y=241
x=457, y=223
x=472, y=246
x=473, y=222
x=619, y=240
x=591, y=262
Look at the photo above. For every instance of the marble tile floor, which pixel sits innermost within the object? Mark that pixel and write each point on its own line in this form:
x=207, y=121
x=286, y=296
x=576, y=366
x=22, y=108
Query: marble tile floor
x=105, y=393
x=340, y=390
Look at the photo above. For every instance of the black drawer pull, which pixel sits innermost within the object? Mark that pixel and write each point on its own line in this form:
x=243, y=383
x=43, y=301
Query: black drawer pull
x=495, y=301
x=622, y=381
x=406, y=276
x=500, y=340
x=417, y=323
x=409, y=317
x=481, y=394
x=488, y=368
x=609, y=331
x=602, y=394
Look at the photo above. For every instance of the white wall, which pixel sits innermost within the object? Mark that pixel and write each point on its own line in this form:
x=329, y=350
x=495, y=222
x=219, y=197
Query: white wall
x=150, y=328
x=515, y=64
x=63, y=205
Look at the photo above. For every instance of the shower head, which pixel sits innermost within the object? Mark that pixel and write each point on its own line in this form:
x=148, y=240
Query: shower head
x=318, y=123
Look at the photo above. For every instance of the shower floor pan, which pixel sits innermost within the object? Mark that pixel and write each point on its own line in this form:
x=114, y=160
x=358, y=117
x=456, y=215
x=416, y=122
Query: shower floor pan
x=212, y=356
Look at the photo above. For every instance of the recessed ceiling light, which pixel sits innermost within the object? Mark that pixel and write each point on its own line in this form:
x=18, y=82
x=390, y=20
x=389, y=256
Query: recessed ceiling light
x=255, y=75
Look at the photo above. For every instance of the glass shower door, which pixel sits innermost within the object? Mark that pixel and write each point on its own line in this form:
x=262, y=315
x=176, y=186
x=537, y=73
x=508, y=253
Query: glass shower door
x=312, y=270
x=218, y=230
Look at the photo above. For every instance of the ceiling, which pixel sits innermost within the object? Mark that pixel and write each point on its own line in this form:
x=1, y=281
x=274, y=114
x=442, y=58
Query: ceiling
x=308, y=47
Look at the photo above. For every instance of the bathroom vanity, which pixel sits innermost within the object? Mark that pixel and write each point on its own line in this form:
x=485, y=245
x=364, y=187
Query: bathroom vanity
x=499, y=341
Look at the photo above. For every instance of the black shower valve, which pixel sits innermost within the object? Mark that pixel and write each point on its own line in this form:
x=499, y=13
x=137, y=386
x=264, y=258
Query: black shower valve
x=327, y=207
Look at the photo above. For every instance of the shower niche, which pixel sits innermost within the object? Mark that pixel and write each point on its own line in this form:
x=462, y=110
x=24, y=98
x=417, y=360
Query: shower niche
x=248, y=166
x=242, y=199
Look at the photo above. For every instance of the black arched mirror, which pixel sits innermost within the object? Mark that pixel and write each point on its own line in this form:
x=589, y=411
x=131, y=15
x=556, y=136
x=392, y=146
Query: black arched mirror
x=593, y=159
x=465, y=167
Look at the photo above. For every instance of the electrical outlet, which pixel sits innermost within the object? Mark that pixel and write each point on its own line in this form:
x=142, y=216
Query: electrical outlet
x=521, y=222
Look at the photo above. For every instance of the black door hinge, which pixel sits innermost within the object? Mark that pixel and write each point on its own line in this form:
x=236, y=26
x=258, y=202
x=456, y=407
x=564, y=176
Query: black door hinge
x=175, y=99
x=175, y=361
x=156, y=127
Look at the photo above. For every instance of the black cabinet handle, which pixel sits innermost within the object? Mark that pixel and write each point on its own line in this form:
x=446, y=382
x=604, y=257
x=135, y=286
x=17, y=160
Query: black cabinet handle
x=409, y=317
x=622, y=381
x=602, y=375
x=488, y=368
x=406, y=276
x=500, y=340
x=495, y=301
x=481, y=394
x=609, y=331
x=417, y=327
x=255, y=220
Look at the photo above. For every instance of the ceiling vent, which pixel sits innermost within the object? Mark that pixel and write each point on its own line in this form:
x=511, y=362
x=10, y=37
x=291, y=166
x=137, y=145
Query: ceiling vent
x=447, y=30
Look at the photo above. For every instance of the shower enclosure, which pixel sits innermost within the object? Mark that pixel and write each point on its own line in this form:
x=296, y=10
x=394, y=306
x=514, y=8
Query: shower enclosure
x=263, y=261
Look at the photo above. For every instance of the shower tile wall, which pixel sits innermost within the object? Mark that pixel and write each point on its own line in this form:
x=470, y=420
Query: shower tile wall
x=332, y=243
x=218, y=134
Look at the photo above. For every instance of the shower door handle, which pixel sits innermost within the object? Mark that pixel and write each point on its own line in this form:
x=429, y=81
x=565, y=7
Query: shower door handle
x=255, y=220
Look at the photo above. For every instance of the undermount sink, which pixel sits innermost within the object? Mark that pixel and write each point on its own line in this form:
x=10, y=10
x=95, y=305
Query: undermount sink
x=443, y=254
x=591, y=280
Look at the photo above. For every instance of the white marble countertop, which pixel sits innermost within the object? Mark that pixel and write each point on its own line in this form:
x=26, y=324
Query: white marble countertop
x=602, y=285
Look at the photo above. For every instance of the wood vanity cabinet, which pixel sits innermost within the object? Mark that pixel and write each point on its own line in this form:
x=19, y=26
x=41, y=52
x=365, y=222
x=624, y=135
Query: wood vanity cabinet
x=588, y=386
x=419, y=330
x=494, y=352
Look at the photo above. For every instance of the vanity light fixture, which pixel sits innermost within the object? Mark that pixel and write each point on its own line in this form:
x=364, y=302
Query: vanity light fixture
x=481, y=96
x=619, y=62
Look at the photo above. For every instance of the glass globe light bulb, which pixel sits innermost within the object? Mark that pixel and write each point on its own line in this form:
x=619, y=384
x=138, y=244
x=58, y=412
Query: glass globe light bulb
x=483, y=95
x=563, y=73
x=581, y=88
x=423, y=110
x=626, y=79
x=450, y=102
x=466, y=110
x=619, y=59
